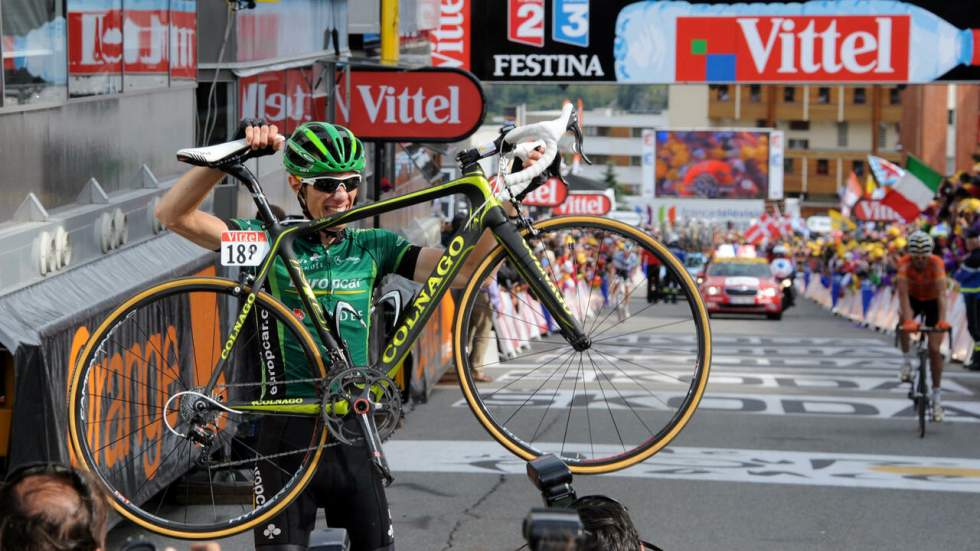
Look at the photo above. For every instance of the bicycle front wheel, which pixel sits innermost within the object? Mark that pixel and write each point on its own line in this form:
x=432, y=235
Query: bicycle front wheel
x=610, y=406
x=173, y=456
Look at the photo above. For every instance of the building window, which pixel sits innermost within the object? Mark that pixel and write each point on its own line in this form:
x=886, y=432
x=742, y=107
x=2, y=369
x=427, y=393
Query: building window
x=34, y=63
x=787, y=165
x=823, y=167
x=823, y=95
x=842, y=134
x=857, y=167
x=599, y=159
x=799, y=125
x=755, y=93
x=789, y=94
x=721, y=92
x=860, y=96
x=894, y=96
x=636, y=160
x=797, y=143
x=602, y=131
x=636, y=132
x=761, y=123
x=882, y=135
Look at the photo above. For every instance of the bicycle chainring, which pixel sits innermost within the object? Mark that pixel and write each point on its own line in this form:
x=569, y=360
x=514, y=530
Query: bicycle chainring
x=351, y=386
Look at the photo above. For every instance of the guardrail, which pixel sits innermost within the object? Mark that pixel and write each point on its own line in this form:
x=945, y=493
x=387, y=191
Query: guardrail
x=878, y=309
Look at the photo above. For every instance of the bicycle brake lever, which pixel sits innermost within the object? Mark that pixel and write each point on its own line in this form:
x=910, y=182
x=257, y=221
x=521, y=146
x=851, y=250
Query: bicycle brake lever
x=576, y=130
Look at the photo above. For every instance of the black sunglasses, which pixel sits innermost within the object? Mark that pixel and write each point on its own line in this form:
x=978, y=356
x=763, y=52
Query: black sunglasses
x=329, y=184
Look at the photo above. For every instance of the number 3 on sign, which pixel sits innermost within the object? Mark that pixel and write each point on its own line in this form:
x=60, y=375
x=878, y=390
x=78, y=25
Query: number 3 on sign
x=525, y=23
x=570, y=22
x=243, y=248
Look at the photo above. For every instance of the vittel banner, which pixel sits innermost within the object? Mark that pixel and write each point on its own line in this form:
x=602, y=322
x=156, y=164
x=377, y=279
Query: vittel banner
x=673, y=41
x=425, y=105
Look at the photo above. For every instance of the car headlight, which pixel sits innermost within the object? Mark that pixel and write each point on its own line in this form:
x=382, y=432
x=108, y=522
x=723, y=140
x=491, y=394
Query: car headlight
x=700, y=280
x=769, y=292
x=713, y=290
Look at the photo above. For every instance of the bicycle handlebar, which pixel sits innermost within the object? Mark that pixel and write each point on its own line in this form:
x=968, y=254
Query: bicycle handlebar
x=548, y=132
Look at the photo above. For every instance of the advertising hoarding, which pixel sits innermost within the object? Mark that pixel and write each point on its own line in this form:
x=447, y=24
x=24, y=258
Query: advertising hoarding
x=424, y=105
x=712, y=164
x=674, y=41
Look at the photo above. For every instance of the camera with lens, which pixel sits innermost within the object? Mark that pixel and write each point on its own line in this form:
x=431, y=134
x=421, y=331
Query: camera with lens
x=557, y=526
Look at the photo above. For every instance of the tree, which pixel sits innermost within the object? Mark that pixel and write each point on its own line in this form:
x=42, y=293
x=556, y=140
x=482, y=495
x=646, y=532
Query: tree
x=609, y=177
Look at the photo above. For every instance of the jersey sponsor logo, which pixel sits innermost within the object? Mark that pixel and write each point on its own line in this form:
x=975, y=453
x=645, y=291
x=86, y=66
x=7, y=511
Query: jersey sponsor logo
x=324, y=284
x=433, y=286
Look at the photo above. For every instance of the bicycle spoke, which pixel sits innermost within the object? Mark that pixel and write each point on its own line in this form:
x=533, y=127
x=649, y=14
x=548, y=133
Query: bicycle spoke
x=605, y=400
x=536, y=390
x=554, y=397
x=522, y=377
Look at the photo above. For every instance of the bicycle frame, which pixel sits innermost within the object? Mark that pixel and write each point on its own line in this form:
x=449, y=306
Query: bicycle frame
x=487, y=213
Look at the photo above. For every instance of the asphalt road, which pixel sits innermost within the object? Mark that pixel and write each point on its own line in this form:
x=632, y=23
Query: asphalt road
x=804, y=440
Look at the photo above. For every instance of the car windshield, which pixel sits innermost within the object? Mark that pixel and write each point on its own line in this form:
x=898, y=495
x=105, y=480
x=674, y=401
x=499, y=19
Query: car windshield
x=746, y=269
x=694, y=261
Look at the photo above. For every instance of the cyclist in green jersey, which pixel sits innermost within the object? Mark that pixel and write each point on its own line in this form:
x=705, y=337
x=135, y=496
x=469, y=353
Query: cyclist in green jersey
x=324, y=164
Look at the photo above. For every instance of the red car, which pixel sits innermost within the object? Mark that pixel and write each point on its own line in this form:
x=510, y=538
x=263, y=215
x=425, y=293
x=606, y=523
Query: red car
x=742, y=286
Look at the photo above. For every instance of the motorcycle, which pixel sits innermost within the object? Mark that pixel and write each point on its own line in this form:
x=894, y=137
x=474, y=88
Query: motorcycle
x=789, y=294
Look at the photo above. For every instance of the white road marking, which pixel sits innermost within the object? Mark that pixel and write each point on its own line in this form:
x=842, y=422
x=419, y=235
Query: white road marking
x=938, y=474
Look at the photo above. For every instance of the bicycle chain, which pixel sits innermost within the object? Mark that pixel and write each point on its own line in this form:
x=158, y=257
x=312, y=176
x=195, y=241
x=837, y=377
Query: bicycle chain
x=273, y=456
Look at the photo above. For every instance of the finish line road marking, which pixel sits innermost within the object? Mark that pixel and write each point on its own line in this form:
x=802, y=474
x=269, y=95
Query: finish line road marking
x=719, y=377
x=894, y=472
x=957, y=411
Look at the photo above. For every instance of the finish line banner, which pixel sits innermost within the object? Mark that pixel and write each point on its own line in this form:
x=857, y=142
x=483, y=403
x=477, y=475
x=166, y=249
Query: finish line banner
x=669, y=41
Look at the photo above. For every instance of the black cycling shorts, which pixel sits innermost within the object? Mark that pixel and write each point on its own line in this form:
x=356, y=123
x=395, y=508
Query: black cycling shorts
x=927, y=309
x=345, y=485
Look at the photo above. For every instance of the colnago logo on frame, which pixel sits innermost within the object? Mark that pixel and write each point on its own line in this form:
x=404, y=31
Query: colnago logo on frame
x=786, y=48
x=451, y=41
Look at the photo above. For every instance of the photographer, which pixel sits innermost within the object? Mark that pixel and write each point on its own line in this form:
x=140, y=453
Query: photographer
x=587, y=523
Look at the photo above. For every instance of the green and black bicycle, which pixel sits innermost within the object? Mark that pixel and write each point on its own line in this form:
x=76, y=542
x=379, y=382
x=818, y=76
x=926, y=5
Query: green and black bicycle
x=170, y=399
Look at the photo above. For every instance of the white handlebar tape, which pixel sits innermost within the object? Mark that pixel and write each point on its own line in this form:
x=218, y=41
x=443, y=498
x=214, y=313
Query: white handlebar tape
x=547, y=131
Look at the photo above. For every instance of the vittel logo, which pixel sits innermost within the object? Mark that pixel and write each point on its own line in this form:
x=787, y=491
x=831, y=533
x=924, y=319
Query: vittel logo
x=451, y=41
x=811, y=45
x=260, y=100
x=406, y=106
x=585, y=203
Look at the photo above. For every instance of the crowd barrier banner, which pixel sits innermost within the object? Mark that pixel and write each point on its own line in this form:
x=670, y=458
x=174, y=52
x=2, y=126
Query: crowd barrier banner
x=879, y=309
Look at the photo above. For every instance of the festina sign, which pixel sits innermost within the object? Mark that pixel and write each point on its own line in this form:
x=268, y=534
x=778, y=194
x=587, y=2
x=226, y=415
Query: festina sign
x=551, y=194
x=595, y=204
x=664, y=41
x=425, y=105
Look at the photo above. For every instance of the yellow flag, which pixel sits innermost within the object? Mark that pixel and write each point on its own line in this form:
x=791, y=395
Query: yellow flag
x=869, y=186
x=839, y=222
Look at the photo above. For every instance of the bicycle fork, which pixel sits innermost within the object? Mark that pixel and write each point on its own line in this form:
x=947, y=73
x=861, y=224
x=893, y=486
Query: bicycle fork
x=543, y=285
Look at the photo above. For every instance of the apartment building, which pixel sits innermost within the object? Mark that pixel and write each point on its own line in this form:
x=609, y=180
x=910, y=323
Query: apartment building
x=829, y=130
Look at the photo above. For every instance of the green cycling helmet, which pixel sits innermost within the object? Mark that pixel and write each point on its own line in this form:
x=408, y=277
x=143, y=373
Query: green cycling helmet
x=316, y=148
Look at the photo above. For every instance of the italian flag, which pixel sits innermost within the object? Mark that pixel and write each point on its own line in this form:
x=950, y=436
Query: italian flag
x=915, y=189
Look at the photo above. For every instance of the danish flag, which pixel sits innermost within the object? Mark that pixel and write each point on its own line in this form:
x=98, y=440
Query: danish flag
x=768, y=228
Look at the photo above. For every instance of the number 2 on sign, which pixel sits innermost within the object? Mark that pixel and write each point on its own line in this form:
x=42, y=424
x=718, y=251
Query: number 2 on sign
x=525, y=23
x=243, y=248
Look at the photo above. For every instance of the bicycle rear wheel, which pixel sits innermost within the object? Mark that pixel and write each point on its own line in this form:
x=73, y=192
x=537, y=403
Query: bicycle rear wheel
x=605, y=408
x=173, y=458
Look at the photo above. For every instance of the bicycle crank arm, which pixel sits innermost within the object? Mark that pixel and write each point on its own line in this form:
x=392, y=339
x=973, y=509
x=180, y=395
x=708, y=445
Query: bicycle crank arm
x=366, y=421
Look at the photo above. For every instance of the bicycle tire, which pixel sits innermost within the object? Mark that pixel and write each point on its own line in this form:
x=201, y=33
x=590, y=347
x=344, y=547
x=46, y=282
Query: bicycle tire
x=923, y=401
x=682, y=396
x=197, y=303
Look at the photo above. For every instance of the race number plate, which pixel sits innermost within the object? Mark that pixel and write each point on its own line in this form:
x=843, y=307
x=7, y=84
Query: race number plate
x=741, y=300
x=243, y=248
